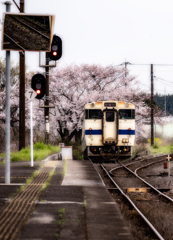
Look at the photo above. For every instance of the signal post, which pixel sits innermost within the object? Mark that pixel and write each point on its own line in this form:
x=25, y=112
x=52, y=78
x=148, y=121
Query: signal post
x=55, y=54
x=46, y=110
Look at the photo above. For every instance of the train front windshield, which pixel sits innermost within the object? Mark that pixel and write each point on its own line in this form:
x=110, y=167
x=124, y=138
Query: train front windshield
x=126, y=114
x=93, y=114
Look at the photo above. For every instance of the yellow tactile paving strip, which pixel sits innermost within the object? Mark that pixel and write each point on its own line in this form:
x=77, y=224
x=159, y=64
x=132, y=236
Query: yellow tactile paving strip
x=15, y=214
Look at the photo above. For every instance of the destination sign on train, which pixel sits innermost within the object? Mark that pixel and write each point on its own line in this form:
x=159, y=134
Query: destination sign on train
x=27, y=32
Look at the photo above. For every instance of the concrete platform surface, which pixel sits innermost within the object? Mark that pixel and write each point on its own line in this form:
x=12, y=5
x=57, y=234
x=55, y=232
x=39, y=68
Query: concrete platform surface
x=76, y=205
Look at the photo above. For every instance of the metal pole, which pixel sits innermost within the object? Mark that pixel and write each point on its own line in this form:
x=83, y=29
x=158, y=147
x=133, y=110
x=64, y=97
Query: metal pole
x=47, y=102
x=165, y=104
x=152, y=107
x=7, y=112
x=31, y=131
x=22, y=94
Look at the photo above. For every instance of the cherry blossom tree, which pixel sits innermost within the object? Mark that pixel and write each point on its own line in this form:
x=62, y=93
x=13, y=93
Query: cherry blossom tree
x=14, y=95
x=74, y=86
x=71, y=88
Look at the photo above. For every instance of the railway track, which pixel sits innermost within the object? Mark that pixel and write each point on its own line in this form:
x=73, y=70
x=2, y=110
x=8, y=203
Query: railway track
x=25, y=35
x=150, y=203
x=20, y=207
x=33, y=26
x=13, y=42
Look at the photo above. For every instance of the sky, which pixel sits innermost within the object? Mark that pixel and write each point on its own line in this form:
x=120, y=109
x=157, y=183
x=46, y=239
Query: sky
x=110, y=32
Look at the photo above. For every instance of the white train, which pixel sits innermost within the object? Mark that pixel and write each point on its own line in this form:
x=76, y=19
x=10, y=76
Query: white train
x=108, y=129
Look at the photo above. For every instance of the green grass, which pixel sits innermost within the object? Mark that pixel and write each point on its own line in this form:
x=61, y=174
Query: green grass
x=161, y=149
x=40, y=152
x=2, y=155
x=47, y=183
x=28, y=181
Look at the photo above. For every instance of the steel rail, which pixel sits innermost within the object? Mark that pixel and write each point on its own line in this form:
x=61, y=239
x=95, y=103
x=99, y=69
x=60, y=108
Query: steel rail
x=34, y=23
x=162, y=194
x=147, y=183
x=30, y=27
x=131, y=202
x=147, y=159
x=14, y=42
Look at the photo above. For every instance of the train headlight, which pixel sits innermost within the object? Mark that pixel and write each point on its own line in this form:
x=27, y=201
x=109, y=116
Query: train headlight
x=125, y=140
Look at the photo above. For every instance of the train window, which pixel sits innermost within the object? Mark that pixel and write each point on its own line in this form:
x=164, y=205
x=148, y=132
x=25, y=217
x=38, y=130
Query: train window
x=127, y=114
x=109, y=116
x=86, y=113
x=93, y=114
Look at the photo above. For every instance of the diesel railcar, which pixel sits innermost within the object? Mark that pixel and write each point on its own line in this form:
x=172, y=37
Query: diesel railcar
x=108, y=129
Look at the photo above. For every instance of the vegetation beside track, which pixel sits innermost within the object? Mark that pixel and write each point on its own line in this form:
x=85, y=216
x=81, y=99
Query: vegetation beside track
x=140, y=149
x=40, y=151
x=161, y=149
x=157, y=148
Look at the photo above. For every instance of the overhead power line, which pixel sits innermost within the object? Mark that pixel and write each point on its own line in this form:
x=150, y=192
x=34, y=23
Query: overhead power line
x=149, y=64
x=163, y=79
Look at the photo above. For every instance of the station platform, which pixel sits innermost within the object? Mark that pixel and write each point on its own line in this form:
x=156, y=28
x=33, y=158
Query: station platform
x=75, y=206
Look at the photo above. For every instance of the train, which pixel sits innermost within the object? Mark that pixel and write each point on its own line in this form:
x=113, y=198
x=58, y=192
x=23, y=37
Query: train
x=108, y=129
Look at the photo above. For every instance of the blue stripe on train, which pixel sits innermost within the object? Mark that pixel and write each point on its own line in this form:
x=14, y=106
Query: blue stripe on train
x=93, y=132
x=126, y=132
x=120, y=132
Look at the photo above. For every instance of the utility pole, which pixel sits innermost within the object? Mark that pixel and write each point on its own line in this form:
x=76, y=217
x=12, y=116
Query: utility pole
x=126, y=68
x=46, y=110
x=152, y=107
x=22, y=92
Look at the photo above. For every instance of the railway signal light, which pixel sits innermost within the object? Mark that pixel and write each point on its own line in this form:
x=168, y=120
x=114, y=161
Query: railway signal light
x=56, y=48
x=38, y=83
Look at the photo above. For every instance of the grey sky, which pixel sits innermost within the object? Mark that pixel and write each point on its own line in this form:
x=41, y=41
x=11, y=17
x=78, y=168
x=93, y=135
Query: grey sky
x=110, y=32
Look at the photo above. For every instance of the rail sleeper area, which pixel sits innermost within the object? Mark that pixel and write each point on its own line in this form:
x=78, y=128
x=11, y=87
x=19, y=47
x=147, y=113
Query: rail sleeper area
x=75, y=204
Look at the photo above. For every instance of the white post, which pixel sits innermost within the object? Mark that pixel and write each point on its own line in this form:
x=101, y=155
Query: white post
x=7, y=112
x=31, y=133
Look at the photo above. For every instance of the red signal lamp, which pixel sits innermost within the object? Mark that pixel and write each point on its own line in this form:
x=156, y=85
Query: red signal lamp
x=56, y=48
x=38, y=91
x=55, y=53
x=38, y=84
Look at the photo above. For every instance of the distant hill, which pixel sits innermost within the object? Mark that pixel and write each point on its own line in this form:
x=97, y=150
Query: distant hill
x=160, y=101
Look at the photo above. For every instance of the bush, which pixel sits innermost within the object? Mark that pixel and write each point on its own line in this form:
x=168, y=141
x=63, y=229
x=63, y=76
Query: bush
x=77, y=153
x=138, y=149
x=40, y=152
x=157, y=142
x=77, y=150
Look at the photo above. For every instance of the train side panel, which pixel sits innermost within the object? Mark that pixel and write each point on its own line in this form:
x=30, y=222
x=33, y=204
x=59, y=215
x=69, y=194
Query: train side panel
x=126, y=131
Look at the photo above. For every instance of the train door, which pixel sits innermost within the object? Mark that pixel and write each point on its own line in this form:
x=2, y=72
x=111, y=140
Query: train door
x=110, y=127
